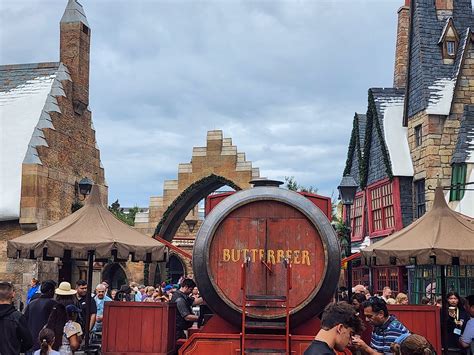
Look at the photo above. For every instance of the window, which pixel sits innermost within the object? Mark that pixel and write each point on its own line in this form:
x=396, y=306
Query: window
x=357, y=213
x=420, y=198
x=381, y=203
x=451, y=48
x=418, y=136
x=458, y=181
x=458, y=278
x=386, y=276
x=85, y=29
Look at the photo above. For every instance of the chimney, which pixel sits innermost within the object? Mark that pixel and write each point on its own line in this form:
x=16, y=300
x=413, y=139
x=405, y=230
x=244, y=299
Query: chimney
x=444, y=9
x=401, y=50
x=74, y=52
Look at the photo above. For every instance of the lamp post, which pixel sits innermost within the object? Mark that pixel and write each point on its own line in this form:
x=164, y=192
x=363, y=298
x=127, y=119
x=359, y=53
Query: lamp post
x=347, y=190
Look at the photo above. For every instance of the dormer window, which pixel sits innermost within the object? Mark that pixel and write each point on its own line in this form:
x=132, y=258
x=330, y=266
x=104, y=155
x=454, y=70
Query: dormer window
x=451, y=48
x=449, y=42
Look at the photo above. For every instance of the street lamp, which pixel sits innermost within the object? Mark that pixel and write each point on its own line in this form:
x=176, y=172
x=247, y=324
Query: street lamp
x=347, y=191
x=84, y=187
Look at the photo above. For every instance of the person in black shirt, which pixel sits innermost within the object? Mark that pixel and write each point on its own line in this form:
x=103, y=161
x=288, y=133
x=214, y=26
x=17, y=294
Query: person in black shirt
x=184, y=315
x=338, y=324
x=38, y=310
x=82, y=289
x=14, y=334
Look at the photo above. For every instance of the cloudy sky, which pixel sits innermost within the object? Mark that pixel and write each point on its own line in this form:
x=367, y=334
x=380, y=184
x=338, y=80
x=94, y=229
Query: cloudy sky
x=281, y=78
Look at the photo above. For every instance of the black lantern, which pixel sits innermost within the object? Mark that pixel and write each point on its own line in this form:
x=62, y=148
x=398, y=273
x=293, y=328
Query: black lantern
x=347, y=190
x=85, y=186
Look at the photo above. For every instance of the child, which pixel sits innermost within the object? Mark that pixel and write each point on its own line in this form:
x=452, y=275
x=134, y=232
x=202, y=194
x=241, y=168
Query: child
x=72, y=332
x=46, y=340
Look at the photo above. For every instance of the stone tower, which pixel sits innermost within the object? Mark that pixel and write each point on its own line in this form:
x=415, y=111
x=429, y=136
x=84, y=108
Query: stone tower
x=74, y=52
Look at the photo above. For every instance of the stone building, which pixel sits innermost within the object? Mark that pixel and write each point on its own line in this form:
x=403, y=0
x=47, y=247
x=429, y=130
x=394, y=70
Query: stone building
x=416, y=133
x=217, y=164
x=48, y=143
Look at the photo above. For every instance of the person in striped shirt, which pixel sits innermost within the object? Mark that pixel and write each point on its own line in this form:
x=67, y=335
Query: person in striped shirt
x=387, y=328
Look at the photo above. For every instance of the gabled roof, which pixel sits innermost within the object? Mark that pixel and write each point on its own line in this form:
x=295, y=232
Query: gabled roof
x=354, y=154
x=379, y=138
x=27, y=95
x=431, y=81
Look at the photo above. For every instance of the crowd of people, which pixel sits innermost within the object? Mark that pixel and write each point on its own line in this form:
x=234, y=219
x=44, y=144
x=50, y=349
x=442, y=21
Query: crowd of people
x=374, y=331
x=54, y=319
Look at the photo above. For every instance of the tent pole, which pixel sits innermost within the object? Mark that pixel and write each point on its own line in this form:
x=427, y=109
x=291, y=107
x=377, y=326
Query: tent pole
x=444, y=340
x=90, y=266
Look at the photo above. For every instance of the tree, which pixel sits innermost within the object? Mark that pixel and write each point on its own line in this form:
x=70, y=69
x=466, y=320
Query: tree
x=128, y=218
x=292, y=185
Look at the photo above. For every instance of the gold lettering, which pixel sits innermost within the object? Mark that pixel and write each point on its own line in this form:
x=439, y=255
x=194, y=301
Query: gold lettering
x=226, y=255
x=254, y=254
x=296, y=257
x=305, y=257
x=235, y=257
x=271, y=256
x=280, y=255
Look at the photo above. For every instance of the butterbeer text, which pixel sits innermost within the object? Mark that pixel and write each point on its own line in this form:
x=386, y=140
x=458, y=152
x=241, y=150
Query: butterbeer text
x=269, y=256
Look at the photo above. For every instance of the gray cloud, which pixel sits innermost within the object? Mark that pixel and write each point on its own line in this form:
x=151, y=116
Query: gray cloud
x=281, y=78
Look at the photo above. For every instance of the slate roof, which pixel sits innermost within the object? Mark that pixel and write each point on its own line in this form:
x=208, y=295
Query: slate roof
x=74, y=12
x=361, y=124
x=431, y=82
x=464, y=151
x=28, y=95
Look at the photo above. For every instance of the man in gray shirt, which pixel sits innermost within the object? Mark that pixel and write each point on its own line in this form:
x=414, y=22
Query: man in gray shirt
x=184, y=315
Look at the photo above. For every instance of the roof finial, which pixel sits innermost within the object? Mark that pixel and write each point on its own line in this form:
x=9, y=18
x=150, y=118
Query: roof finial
x=74, y=13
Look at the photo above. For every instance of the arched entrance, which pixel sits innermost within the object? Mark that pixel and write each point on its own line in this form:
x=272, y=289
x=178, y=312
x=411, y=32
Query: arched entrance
x=217, y=164
x=176, y=213
x=175, y=269
x=115, y=274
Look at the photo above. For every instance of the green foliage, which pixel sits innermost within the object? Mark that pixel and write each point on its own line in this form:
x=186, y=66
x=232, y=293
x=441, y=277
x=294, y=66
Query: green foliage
x=128, y=218
x=342, y=232
x=292, y=185
x=76, y=205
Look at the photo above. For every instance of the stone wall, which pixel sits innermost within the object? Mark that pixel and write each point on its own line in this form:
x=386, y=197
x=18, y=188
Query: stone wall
x=432, y=160
x=401, y=49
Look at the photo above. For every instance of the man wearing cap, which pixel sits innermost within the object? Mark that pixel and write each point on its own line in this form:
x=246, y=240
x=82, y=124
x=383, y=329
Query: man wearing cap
x=38, y=310
x=81, y=288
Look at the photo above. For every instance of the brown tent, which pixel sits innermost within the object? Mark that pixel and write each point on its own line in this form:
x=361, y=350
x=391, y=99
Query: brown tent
x=93, y=227
x=441, y=233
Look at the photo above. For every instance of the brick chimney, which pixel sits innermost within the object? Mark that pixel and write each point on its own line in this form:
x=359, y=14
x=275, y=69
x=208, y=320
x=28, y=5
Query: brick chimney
x=401, y=50
x=444, y=9
x=74, y=52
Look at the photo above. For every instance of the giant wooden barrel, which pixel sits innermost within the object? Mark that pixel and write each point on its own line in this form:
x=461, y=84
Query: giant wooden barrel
x=266, y=224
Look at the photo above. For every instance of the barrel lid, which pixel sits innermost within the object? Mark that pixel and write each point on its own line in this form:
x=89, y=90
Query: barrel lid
x=265, y=182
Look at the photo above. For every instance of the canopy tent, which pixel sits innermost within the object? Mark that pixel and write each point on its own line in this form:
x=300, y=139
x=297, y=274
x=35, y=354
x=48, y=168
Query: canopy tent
x=92, y=227
x=91, y=231
x=439, y=235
